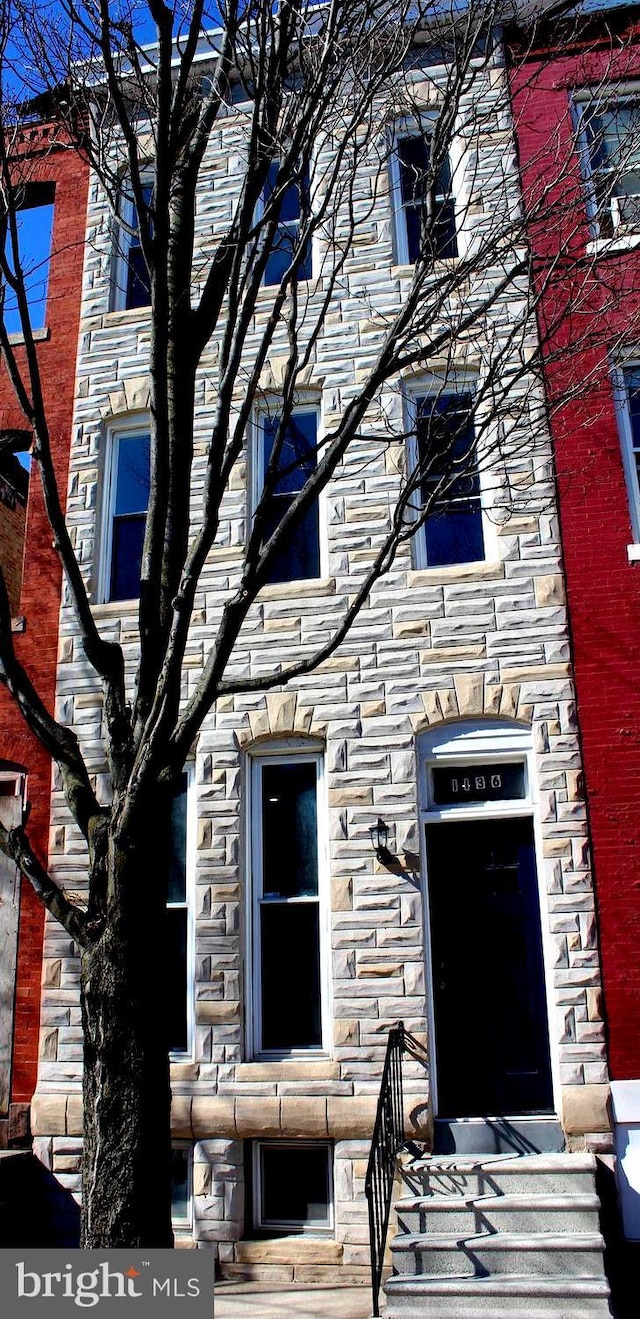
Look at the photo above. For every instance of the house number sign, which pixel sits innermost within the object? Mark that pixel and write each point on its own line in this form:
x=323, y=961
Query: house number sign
x=473, y=783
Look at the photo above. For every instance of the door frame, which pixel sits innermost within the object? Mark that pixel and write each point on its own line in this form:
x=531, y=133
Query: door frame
x=12, y=787
x=462, y=742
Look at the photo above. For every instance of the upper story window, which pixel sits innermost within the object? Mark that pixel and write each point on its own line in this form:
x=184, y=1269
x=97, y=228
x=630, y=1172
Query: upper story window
x=289, y=950
x=34, y=221
x=424, y=208
x=628, y=395
x=298, y=557
x=126, y=511
x=609, y=142
x=131, y=285
x=293, y=204
x=445, y=451
x=178, y=962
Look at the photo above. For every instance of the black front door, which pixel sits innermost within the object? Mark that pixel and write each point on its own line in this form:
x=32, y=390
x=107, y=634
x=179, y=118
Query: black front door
x=492, y=1041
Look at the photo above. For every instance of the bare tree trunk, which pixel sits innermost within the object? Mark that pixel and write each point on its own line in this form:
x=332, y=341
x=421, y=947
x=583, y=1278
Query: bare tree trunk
x=127, y=1137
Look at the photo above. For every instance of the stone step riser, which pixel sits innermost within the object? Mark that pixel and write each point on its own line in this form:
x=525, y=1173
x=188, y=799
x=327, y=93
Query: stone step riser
x=470, y=1261
x=501, y=1308
x=474, y=1220
x=470, y=1185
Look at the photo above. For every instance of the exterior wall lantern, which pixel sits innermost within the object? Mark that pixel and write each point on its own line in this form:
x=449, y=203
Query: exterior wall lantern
x=379, y=838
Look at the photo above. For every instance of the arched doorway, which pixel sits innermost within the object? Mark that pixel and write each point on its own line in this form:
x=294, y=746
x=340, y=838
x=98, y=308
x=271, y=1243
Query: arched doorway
x=490, y=1022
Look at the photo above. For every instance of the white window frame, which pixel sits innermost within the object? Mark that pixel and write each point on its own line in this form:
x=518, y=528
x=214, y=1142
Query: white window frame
x=432, y=387
x=184, y=1225
x=121, y=427
x=422, y=127
x=623, y=416
x=286, y=752
x=582, y=101
x=499, y=742
x=122, y=242
x=257, y=472
x=187, y=1055
x=290, y=1226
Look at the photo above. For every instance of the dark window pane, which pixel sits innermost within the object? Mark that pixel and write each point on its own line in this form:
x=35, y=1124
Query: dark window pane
x=180, y=1184
x=289, y=829
x=132, y=474
x=286, y=236
x=413, y=155
x=290, y=947
x=446, y=453
x=34, y=220
x=299, y=555
x=177, y=881
x=295, y=1186
x=138, y=290
x=126, y=557
x=175, y=975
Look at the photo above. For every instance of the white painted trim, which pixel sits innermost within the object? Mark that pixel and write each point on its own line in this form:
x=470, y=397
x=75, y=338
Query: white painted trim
x=598, y=98
x=187, y=1055
x=281, y=752
x=184, y=1226
x=308, y=404
x=310, y=1229
x=132, y=423
x=505, y=742
x=623, y=416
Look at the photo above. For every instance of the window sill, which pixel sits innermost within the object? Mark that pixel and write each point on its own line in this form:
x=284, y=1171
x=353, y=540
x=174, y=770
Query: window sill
x=39, y=336
x=297, y=1070
x=114, y=608
x=306, y=1247
x=633, y=553
x=618, y=243
x=455, y=572
x=126, y=315
x=300, y=587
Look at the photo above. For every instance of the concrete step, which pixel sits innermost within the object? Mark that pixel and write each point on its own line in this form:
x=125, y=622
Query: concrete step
x=542, y=1253
x=497, y=1298
x=470, y=1215
x=499, y=1174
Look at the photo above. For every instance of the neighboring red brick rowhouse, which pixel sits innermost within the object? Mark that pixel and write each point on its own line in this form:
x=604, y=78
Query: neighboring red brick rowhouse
x=592, y=311
x=50, y=160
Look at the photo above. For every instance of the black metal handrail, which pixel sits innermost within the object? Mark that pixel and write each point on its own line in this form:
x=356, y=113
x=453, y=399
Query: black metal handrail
x=388, y=1138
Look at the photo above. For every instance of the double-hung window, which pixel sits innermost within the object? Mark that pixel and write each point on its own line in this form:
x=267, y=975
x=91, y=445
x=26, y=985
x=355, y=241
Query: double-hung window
x=447, y=476
x=288, y=936
x=609, y=143
x=424, y=206
x=293, y=205
x=177, y=972
x=34, y=223
x=286, y=458
x=131, y=286
x=127, y=502
x=628, y=396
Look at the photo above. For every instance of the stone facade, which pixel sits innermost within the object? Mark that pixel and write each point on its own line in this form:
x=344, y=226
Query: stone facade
x=484, y=644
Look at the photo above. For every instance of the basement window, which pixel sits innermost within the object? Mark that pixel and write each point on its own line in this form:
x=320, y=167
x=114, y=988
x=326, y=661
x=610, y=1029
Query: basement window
x=292, y=1187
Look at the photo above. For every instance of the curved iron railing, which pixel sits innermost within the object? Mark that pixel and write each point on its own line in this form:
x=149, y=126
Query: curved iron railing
x=388, y=1138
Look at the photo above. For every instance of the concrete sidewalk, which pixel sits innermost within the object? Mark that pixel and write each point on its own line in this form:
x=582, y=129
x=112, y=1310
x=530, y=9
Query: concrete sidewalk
x=259, y=1300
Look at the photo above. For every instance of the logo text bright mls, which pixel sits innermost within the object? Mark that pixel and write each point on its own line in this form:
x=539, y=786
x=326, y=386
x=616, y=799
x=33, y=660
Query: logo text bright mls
x=87, y=1287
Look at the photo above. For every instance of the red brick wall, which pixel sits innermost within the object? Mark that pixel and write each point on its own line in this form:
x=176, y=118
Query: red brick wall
x=40, y=596
x=12, y=528
x=603, y=587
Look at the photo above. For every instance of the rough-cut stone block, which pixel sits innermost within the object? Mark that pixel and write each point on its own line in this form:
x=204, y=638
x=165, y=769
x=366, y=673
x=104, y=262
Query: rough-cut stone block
x=258, y=1117
x=303, y=1117
x=48, y=1115
x=212, y=1116
x=585, y=1108
x=351, y=1117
